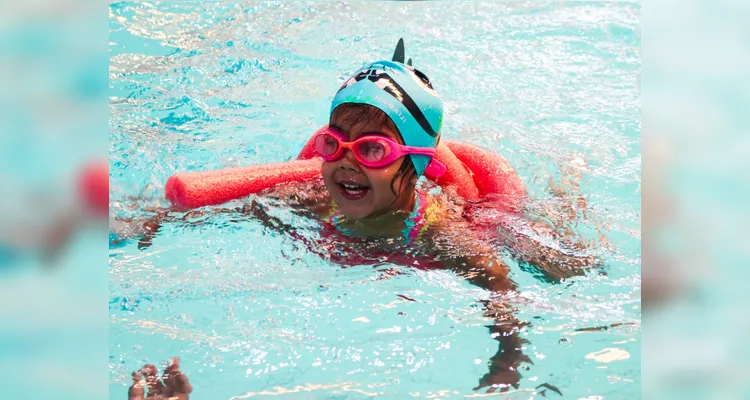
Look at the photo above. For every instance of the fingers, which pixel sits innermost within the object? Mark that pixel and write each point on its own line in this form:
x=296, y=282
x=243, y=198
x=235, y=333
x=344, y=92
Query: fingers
x=492, y=387
x=483, y=382
x=550, y=387
x=498, y=381
x=525, y=358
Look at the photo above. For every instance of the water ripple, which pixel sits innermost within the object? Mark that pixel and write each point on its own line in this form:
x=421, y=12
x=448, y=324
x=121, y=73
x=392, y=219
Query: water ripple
x=552, y=86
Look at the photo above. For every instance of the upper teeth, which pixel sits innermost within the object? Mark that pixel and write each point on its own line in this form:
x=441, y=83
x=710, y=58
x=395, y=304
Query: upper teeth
x=350, y=185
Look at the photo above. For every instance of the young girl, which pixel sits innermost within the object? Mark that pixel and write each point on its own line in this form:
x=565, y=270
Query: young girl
x=384, y=127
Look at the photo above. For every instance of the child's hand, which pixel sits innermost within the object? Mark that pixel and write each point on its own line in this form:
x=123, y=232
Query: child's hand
x=174, y=367
x=136, y=391
x=154, y=384
x=177, y=383
x=502, y=375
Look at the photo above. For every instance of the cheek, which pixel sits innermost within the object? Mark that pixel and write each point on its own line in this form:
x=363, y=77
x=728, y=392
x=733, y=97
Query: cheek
x=327, y=169
x=381, y=180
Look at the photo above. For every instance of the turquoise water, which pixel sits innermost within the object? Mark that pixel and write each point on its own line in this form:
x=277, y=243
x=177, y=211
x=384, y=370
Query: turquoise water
x=553, y=87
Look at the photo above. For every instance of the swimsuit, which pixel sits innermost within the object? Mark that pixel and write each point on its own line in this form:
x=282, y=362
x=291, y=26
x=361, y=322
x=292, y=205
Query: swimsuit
x=346, y=249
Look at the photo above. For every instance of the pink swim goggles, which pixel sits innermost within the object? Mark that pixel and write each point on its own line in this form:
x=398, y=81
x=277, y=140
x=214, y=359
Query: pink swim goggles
x=372, y=151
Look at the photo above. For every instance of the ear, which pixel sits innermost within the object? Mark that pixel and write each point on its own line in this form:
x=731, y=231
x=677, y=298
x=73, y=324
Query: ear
x=409, y=62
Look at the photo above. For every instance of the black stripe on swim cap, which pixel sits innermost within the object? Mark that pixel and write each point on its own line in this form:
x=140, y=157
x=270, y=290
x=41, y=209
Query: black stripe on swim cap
x=400, y=94
x=385, y=82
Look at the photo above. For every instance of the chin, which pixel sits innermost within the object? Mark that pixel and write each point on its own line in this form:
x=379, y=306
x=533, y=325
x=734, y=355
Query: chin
x=354, y=213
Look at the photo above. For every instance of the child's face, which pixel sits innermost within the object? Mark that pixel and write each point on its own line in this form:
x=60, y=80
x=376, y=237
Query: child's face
x=369, y=192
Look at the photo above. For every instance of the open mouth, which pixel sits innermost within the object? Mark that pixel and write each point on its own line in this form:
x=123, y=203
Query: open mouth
x=352, y=191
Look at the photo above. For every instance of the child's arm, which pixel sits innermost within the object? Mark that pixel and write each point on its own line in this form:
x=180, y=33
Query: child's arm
x=146, y=229
x=183, y=385
x=460, y=251
x=457, y=246
x=178, y=381
x=490, y=273
x=505, y=364
x=311, y=196
x=547, y=241
x=562, y=258
x=550, y=245
x=305, y=199
x=482, y=270
x=135, y=392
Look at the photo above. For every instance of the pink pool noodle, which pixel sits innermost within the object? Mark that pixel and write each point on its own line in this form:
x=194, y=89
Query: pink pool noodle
x=198, y=189
x=493, y=174
x=472, y=172
x=456, y=175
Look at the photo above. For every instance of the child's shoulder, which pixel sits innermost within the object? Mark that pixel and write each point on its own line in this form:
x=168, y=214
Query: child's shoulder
x=308, y=195
x=441, y=208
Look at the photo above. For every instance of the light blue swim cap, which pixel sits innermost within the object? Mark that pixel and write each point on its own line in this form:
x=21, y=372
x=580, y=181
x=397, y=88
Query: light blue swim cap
x=405, y=95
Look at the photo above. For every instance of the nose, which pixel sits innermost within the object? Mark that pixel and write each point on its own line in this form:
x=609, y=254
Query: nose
x=349, y=162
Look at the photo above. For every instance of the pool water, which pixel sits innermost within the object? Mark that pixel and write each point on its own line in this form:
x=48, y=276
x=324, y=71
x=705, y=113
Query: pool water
x=553, y=87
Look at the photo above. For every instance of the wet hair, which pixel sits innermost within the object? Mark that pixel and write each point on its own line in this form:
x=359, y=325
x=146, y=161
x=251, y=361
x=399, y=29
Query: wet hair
x=355, y=112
